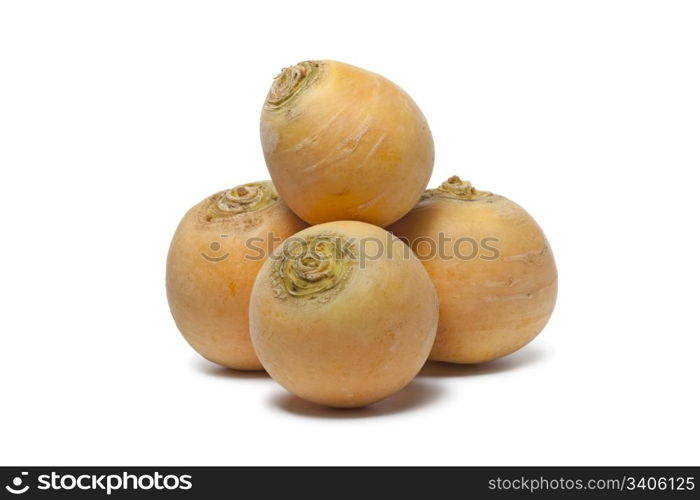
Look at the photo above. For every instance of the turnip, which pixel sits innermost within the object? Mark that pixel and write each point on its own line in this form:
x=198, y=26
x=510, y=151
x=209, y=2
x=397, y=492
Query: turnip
x=342, y=143
x=491, y=265
x=343, y=314
x=214, y=257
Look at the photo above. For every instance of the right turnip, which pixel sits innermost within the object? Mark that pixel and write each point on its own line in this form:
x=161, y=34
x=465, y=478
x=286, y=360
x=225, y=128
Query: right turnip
x=491, y=265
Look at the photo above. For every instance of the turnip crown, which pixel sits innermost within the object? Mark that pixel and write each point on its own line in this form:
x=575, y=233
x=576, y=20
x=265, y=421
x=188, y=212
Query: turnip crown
x=291, y=82
x=245, y=198
x=457, y=189
x=313, y=267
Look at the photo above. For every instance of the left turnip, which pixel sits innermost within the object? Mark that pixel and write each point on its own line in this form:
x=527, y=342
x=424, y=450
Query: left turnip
x=214, y=258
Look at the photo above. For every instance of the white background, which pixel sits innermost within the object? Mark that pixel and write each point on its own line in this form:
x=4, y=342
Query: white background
x=116, y=117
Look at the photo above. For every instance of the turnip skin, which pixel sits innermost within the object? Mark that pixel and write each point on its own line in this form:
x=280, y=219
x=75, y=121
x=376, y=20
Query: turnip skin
x=354, y=343
x=488, y=308
x=343, y=143
x=209, y=298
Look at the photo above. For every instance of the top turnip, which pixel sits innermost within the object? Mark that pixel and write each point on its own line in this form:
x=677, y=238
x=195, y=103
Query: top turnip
x=342, y=143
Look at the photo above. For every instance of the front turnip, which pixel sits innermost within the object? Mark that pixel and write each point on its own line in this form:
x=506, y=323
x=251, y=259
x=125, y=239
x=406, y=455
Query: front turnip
x=343, y=314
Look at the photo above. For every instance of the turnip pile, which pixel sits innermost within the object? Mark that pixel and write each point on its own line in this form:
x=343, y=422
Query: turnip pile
x=345, y=313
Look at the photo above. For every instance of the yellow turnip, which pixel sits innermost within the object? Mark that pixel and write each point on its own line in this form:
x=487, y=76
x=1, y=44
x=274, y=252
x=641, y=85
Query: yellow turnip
x=342, y=143
x=343, y=314
x=214, y=257
x=491, y=265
